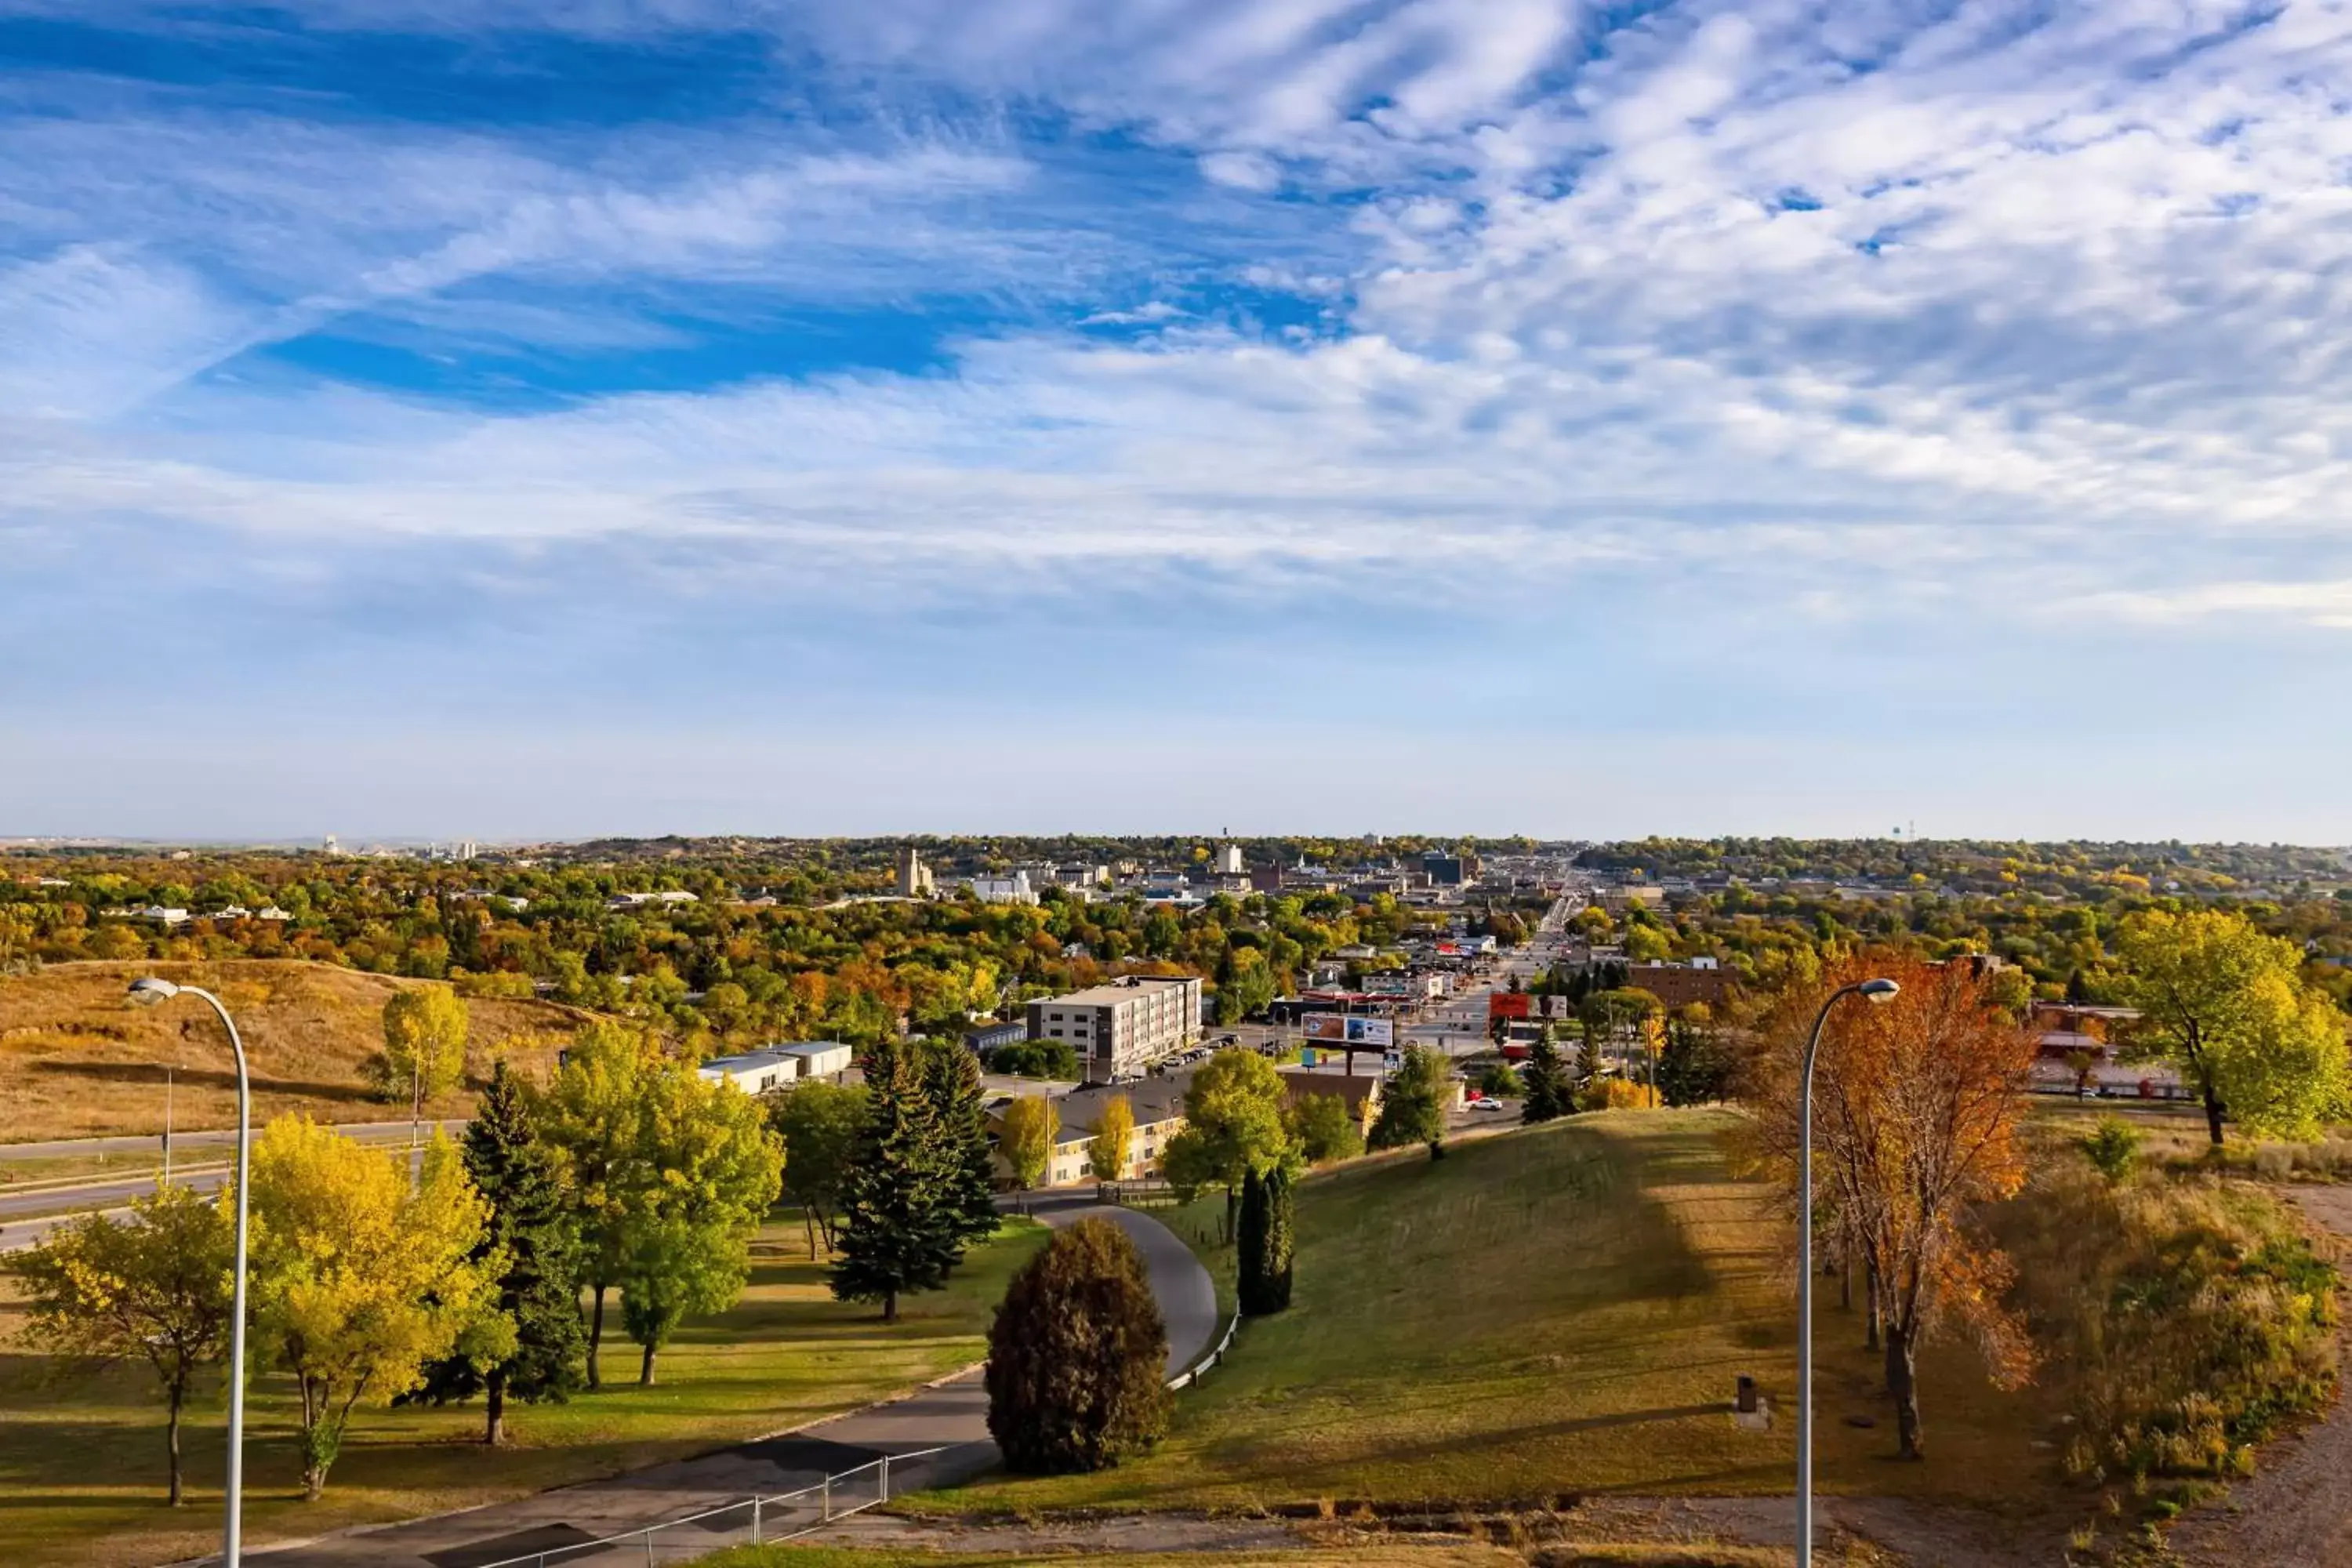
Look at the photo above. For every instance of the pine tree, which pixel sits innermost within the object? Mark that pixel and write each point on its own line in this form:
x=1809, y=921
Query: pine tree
x=1249, y=1246
x=1548, y=1092
x=898, y=1226
x=533, y=1344
x=958, y=1106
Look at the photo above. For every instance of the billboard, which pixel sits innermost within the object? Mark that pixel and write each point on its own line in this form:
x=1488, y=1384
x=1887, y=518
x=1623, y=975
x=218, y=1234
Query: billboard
x=1340, y=1029
x=1506, y=1005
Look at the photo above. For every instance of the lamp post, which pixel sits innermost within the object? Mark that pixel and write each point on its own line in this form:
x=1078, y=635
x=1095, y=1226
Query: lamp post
x=1871, y=990
x=151, y=992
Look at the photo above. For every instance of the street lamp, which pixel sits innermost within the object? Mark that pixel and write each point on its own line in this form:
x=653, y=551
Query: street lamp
x=151, y=992
x=1872, y=991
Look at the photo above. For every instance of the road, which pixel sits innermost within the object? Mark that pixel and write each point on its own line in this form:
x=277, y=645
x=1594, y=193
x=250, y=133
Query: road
x=953, y=1413
x=184, y=1142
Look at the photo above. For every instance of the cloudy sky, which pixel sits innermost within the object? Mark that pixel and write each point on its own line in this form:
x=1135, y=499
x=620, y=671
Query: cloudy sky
x=508, y=418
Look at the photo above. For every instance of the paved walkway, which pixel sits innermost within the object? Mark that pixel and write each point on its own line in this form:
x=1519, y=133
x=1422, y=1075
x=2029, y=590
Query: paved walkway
x=951, y=1415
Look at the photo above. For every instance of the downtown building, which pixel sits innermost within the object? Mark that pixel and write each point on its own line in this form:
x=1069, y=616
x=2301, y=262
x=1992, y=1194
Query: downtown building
x=1121, y=1029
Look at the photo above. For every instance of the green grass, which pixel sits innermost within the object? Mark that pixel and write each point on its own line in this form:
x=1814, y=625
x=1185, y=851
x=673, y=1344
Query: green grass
x=82, y=1461
x=1563, y=1310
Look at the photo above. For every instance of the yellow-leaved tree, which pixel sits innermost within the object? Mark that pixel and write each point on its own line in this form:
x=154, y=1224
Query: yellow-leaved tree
x=1113, y=1136
x=424, y=1041
x=358, y=1279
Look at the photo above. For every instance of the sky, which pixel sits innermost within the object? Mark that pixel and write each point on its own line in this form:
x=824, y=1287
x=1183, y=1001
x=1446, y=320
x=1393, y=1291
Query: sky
x=508, y=419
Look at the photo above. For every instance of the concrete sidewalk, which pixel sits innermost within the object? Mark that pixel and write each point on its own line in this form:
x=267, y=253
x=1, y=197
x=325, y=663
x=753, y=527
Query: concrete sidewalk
x=951, y=1415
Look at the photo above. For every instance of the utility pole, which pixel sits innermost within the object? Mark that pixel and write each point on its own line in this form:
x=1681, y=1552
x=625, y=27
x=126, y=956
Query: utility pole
x=168, y=1068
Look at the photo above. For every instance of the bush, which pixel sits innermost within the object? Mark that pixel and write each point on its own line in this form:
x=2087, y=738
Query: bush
x=1612, y=1094
x=1077, y=1356
x=506, y=983
x=2113, y=1148
x=1324, y=1128
x=1501, y=1081
x=2188, y=1317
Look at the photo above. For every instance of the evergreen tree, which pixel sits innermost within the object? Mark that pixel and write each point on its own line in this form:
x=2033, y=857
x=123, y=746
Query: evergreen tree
x=899, y=1225
x=531, y=1348
x=1266, y=1230
x=1076, y=1357
x=959, y=1107
x=1692, y=1068
x=1548, y=1094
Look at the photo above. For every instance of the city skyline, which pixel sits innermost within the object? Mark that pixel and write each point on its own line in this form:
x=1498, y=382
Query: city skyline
x=498, y=422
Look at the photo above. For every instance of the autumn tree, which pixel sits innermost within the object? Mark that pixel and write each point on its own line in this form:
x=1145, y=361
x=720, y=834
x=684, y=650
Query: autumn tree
x=2228, y=1007
x=899, y=1232
x=820, y=1123
x=1027, y=1127
x=710, y=1168
x=358, y=1281
x=154, y=1284
x=424, y=1040
x=1114, y=1134
x=1233, y=1125
x=1077, y=1356
x=591, y=1111
x=1916, y=1107
x=529, y=1347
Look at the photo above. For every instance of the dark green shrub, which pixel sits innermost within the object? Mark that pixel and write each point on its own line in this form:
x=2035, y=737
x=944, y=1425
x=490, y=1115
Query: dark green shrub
x=1266, y=1248
x=2113, y=1148
x=1077, y=1356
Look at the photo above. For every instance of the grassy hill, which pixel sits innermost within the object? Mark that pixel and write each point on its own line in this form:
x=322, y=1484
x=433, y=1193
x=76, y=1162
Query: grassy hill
x=1558, y=1310
x=78, y=1059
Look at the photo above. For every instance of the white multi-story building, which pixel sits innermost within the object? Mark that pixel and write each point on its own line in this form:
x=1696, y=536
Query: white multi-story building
x=1013, y=890
x=1121, y=1029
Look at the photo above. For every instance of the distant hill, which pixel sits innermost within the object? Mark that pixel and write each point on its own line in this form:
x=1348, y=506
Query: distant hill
x=78, y=1059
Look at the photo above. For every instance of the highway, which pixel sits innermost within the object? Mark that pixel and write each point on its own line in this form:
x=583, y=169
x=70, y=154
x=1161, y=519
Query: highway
x=209, y=1138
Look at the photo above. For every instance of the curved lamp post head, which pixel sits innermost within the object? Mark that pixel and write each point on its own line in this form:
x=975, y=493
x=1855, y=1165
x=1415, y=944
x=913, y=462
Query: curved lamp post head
x=1876, y=991
x=148, y=990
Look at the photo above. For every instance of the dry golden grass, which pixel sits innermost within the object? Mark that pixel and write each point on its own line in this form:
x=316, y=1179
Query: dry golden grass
x=78, y=1060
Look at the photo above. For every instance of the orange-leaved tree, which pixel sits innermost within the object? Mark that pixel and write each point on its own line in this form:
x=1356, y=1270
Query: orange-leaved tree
x=1915, y=1111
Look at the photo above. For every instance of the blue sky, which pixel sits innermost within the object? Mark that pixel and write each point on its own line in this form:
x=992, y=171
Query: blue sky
x=510, y=419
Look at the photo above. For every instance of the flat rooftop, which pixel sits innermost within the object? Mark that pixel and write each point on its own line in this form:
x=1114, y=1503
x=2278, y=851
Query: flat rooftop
x=1113, y=994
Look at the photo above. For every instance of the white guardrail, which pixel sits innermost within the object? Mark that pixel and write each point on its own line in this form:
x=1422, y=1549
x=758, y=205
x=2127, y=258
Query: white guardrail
x=1194, y=1372
x=754, y=1521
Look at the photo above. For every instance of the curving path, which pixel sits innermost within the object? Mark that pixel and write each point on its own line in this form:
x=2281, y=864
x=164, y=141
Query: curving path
x=951, y=1414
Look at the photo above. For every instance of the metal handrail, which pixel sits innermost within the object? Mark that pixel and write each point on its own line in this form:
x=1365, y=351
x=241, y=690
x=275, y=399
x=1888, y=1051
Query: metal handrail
x=758, y=1503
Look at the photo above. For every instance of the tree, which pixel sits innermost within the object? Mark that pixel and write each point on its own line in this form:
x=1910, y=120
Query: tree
x=155, y=1285
x=2228, y=1007
x=897, y=1233
x=530, y=1346
x=1114, y=1134
x=1233, y=1125
x=1549, y=1095
x=591, y=1112
x=1029, y=1127
x=1324, y=1128
x=820, y=1123
x=424, y=1040
x=1055, y=1059
x=1267, y=1227
x=1077, y=1356
x=960, y=1108
x=1693, y=1068
x=357, y=1280
x=711, y=1168
x=1917, y=1104
x=1412, y=1110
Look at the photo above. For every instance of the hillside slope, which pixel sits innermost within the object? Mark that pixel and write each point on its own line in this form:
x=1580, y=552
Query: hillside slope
x=1562, y=1309
x=78, y=1059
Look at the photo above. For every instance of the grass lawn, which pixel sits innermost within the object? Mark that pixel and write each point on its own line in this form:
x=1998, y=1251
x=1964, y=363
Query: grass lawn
x=83, y=1462
x=1562, y=1309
